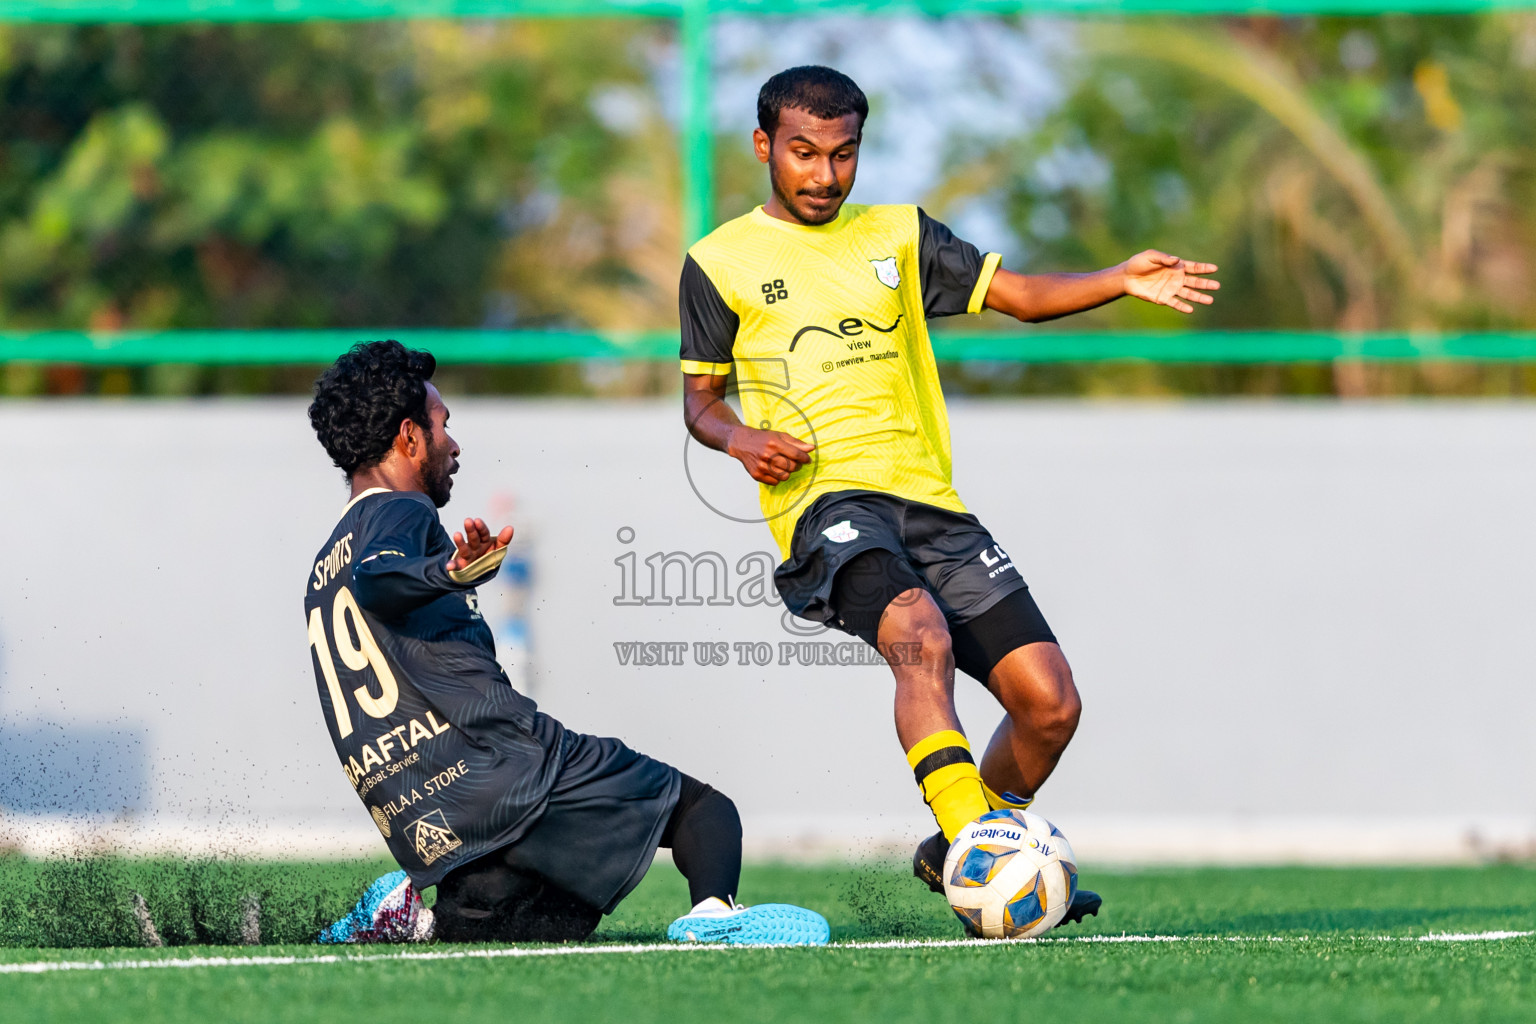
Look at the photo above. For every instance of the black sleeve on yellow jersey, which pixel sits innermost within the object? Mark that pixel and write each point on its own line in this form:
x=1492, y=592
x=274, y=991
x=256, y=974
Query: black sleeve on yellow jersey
x=954, y=273
x=709, y=325
x=394, y=574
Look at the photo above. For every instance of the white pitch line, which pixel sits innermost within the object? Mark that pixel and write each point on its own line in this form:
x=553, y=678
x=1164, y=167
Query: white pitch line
x=184, y=963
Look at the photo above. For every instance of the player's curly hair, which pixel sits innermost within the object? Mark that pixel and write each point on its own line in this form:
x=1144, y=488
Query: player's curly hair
x=361, y=399
x=819, y=91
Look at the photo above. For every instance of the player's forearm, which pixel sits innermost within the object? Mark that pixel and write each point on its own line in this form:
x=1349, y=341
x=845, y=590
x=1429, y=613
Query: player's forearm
x=1033, y=298
x=710, y=420
x=390, y=585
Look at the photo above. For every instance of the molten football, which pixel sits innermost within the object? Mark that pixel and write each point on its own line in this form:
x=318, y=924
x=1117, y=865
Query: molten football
x=1010, y=874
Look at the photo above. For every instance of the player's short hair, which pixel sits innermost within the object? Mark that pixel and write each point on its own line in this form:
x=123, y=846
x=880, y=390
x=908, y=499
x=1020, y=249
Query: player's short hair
x=819, y=91
x=361, y=399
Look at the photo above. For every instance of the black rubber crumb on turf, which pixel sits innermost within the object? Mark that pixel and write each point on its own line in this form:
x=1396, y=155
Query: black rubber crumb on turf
x=888, y=904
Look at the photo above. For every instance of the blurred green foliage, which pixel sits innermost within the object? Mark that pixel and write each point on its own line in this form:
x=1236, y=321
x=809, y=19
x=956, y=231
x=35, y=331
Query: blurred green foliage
x=314, y=174
x=1347, y=174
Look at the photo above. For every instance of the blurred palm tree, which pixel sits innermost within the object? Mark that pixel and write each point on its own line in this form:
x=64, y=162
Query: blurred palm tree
x=1346, y=173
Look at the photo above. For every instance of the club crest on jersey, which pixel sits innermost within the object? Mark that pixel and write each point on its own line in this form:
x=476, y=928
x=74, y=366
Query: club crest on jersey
x=840, y=533
x=886, y=271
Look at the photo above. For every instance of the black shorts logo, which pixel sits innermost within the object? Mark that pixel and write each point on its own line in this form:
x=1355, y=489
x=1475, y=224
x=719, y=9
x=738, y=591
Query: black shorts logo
x=996, y=564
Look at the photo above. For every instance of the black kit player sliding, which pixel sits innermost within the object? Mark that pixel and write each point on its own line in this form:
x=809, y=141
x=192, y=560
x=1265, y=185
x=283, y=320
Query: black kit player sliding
x=529, y=830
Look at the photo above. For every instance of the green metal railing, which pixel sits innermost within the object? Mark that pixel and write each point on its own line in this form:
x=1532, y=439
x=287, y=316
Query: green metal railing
x=697, y=141
x=276, y=347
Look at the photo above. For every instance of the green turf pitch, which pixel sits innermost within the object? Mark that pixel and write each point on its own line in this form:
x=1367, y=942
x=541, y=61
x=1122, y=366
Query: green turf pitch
x=1287, y=944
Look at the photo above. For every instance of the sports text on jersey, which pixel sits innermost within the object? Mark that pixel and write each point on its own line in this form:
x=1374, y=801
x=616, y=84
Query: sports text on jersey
x=450, y=761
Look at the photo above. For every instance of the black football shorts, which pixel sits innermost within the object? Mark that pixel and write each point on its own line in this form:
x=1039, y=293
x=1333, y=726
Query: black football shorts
x=603, y=823
x=853, y=552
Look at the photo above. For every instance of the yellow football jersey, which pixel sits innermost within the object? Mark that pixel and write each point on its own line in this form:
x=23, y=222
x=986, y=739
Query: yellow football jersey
x=826, y=330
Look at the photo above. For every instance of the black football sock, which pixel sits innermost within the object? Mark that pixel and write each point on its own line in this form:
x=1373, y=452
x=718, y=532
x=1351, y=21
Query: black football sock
x=704, y=833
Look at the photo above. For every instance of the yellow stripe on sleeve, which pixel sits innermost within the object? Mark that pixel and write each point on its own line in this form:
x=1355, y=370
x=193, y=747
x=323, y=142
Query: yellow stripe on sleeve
x=989, y=266
x=694, y=366
x=486, y=563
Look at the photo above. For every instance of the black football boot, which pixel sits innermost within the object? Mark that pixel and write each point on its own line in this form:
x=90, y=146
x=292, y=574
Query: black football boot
x=928, y=866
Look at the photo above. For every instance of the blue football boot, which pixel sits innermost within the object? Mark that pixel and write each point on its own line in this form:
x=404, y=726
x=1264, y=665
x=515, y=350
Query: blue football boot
x=390, y=911
x=767, y=924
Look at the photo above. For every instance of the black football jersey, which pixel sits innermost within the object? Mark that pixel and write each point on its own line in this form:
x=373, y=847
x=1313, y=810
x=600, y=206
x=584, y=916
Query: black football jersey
x=449, y=759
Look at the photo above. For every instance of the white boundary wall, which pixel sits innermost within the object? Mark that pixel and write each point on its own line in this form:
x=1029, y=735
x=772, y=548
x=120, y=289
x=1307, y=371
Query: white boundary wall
x=1300, y=629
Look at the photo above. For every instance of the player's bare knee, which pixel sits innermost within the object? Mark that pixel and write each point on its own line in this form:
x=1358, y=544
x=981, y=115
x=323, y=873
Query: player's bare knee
x=1058, y=720
x=931, y=640
x=1054, y=719
x=1042, y=701
x=914, y=621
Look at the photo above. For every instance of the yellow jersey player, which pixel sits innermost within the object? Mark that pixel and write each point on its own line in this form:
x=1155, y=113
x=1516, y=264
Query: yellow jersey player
x=820, y=307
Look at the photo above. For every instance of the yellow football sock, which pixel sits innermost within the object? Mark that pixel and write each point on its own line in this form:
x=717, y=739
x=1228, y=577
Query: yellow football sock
x=1006, y=801
x=947, y=775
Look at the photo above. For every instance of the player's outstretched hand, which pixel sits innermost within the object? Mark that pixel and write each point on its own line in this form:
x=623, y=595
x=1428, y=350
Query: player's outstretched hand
x=1169, y=281
x=475, y=542
x=769, y=455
